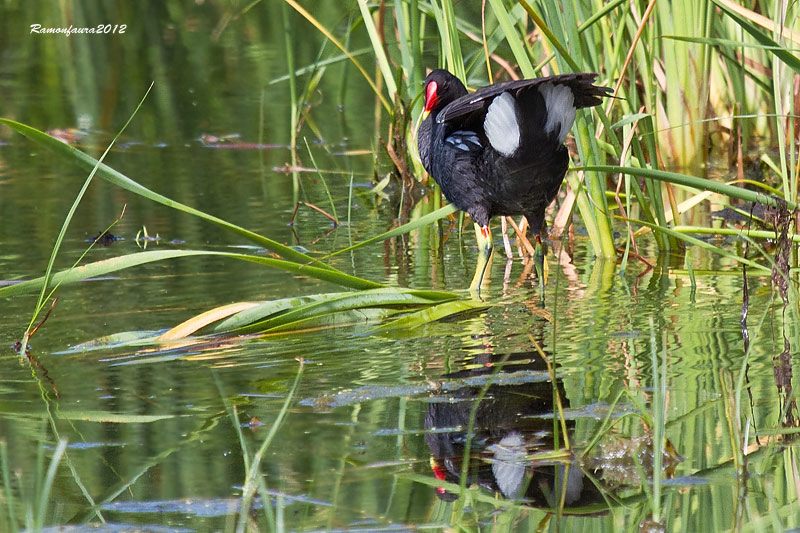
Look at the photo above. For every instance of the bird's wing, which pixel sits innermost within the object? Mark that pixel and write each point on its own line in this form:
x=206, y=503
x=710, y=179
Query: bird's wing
x=586, y=94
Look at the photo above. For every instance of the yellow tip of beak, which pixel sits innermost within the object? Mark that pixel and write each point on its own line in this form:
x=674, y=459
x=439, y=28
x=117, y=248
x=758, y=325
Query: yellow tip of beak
x=422, y=117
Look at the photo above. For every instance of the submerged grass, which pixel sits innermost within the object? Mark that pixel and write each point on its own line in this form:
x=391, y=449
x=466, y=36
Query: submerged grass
x=255, y=482
x=36, y=506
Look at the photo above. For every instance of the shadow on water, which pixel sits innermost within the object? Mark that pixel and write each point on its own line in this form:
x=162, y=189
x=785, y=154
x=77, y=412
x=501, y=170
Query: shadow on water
x=514, y=453
x=511, y=423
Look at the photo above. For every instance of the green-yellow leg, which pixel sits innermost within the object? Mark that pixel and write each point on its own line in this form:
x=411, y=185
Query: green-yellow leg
x=484, y=238
x=539, y=263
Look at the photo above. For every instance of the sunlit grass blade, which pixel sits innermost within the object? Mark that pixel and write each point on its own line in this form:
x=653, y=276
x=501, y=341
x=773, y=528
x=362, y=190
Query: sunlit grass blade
x=702, y=184
x=115, y=264
x=431, y=314
x=265, y=310
x=186, y=328
x=701, y=244
x=377, y=46
x=317, y=24
x=422, y=221
x=331, y=304
x=791, y=59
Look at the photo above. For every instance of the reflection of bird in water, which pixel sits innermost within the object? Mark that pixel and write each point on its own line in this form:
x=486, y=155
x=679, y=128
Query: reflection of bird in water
x=500, y=150
x=512, y=422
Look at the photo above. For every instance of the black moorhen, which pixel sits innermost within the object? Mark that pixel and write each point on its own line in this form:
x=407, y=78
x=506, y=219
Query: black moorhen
x=500, y=150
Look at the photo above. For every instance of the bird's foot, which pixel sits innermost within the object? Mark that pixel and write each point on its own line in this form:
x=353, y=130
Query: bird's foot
x=484, y=237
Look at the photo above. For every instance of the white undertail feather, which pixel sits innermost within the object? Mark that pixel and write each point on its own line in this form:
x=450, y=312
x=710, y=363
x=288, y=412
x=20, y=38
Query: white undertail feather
x=560, y=109
x=508, y=465
x=502, y=124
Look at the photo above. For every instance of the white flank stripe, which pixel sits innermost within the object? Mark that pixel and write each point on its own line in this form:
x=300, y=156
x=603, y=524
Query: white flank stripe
x=501, y=124
x=560, y=109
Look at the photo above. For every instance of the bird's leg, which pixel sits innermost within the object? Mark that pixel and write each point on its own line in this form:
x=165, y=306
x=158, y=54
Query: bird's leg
x=540, y=263
x=484, y=238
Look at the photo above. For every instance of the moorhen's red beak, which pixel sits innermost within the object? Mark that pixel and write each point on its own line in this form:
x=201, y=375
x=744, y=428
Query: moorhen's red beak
x=430, y=102
x=430, y=99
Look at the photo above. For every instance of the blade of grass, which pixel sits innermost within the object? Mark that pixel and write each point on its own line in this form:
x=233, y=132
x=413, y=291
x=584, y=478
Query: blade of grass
x=44, y=494
x=728, y=43
x=115, y=264
x=377, y=47
x=317, y=24
x=761, y=20
x=316, y=65
x=251, y=481
x=424, y=220
x=548, y=33
x=293, y=109
x=449, y=37
x=187, y=327
x=700, y=243
x=274, y=308
x=693, y=182
x=322, y=180
x=11, y=519
x=338, y=303
x=513, y=38
x=67, y=220
x=431, y=314
x=752, y=233
x=791, y=60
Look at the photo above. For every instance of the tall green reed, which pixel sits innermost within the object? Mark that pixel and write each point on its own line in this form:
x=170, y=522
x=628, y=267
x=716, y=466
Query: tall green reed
x=691, y=78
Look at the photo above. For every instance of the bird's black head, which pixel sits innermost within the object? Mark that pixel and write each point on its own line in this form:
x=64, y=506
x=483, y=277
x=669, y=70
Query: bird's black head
x=441, y=88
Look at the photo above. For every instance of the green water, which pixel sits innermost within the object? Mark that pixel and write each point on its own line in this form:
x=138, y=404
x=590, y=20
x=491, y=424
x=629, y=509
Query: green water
x=151, y=436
